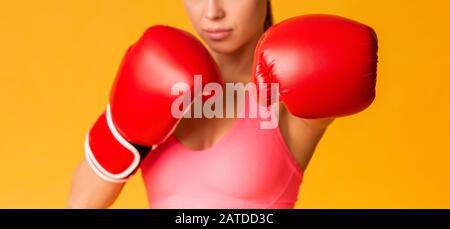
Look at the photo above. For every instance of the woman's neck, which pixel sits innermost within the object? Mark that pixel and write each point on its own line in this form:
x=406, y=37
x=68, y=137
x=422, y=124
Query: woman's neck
x=237, y=66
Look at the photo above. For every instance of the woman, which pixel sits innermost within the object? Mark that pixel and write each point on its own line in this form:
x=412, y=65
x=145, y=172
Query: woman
x=221, y=163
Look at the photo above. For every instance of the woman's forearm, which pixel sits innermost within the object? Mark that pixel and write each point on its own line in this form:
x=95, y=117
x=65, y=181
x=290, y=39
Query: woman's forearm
x=90, y=191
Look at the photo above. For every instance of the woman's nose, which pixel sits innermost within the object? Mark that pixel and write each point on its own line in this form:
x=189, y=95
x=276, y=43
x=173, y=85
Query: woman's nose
x=214, y=10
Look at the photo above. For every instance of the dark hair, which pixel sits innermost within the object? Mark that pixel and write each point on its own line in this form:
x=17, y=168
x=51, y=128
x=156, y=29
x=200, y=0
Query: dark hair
x=269, y=16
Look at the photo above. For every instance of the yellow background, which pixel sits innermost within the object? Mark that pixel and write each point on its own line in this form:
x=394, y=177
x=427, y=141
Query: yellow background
x=59, y=58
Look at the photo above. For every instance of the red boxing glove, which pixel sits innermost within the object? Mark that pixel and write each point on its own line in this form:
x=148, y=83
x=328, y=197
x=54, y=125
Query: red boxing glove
x=326, y=66
x=139, y=115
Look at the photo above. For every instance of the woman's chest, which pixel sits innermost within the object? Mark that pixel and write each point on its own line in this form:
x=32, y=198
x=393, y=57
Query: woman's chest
x=242, y=166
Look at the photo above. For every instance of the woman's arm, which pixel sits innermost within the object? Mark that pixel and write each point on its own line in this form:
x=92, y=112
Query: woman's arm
x=90, y=191
x=316, y=124
x=302, y=135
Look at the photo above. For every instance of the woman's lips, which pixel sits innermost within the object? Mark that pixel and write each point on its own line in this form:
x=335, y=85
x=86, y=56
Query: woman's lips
x=218, y=34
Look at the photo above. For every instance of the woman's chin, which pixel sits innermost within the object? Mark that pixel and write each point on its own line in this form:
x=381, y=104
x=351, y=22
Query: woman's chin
x=223, y=47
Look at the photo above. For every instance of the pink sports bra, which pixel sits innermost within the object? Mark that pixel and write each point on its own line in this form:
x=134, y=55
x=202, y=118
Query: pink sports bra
x=248, y=168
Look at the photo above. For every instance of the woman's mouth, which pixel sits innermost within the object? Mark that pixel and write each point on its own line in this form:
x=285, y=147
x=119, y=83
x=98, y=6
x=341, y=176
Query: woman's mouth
x=218, y=34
